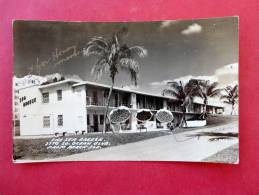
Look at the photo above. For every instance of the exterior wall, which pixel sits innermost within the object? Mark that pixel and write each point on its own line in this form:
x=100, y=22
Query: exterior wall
x=79, y=104
x=19, y=83
x=141, y=101
x=16, y=112
x=30, y=117
x=72, y=107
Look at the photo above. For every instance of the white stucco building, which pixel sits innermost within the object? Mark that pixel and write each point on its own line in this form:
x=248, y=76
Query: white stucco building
x=20, y=83
x=74, y=106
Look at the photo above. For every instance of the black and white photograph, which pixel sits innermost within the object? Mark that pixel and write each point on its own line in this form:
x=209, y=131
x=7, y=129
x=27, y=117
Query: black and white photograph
x=126, y=91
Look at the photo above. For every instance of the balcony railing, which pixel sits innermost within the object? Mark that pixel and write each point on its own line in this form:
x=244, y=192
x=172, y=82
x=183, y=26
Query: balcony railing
x=103, y=102
x=151, y=107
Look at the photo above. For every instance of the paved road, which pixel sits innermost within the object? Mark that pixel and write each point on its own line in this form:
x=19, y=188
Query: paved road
x=178, y=147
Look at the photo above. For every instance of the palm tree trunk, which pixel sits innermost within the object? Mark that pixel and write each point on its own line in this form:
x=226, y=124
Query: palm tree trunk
x=183, y=120
x=204, y=109
x=107, y=108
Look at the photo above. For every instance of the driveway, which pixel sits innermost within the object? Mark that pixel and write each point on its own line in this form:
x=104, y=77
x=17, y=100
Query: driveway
x=175, y=147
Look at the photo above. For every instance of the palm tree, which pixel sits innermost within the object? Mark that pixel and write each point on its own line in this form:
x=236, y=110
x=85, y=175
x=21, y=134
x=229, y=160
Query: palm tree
x=113, y=56
x=207, y=90
x=231, y=96
x=184, y=93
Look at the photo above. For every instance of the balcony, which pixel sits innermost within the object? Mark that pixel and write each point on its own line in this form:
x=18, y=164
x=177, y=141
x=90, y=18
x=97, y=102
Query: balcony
x=103, y=102
x=149, y=106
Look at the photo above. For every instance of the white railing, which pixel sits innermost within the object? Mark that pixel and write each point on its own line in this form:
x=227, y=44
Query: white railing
x=92, y=102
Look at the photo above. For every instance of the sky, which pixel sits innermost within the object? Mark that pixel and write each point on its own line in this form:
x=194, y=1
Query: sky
x=177, y=50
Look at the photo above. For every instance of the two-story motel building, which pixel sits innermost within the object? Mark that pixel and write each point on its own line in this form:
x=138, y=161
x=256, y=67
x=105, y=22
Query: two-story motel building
x=78, y=106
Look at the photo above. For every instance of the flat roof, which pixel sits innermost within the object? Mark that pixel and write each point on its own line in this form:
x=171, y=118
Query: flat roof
x=215, y=104
x=121, y=89
x=58, y=83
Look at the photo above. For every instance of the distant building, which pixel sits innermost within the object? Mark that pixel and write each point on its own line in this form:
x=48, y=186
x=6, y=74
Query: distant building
x=20, y=83
x=74, y=106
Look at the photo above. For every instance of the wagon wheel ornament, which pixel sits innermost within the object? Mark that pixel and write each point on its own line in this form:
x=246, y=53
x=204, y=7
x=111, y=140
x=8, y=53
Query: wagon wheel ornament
x=144, y=115
x=164, y=116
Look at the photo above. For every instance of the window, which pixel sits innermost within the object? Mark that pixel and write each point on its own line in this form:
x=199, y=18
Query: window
x=106, y=93
x=45, y=97
x=88, y=119
x=101, y=119
x=46, y=121
x=116, y=99
x=60, y=120
x=59, y=95
x=95, y=98
x=125, y=100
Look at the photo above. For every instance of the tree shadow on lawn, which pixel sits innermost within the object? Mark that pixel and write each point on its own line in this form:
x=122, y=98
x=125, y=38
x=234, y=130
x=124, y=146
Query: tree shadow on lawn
x=216, y=136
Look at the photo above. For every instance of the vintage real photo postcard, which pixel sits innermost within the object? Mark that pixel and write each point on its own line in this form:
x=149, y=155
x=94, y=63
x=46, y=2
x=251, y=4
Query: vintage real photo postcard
x=126, y=91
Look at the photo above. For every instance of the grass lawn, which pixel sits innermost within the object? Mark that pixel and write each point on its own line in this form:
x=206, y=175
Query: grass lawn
x=35, y=149
x=228, y=155
x=212, y=121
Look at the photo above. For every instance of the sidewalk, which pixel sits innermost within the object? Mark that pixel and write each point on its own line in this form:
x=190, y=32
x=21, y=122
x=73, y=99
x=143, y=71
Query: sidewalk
x=175, y=147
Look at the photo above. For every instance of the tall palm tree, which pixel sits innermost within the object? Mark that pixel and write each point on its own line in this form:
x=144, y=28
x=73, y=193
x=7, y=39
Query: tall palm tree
x=113, y=56
x=231, y=96
x=207, y=90
x=184, y=93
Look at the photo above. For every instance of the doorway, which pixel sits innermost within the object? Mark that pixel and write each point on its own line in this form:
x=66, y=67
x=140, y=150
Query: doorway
x=116, y=100
x=95, y=121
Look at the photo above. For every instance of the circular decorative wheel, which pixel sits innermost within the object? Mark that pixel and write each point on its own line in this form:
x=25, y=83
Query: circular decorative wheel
x=119, y=115
x=144, y=115
x=164, y=116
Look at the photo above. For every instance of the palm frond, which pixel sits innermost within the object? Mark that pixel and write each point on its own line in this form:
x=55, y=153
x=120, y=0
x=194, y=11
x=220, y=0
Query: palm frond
x=231, y=96
x=99, y=68
x=227, y=102
x=175, y=85
x=224, y=97
x=129, y=64
x=134, y=76
x=132, y=66
x=94, y=50
x=193, y=89
x=212, y=87
x=172, y=93
x=235, y=88
x=102, y=42
x=215, y=93
x=228, y=88
x=138, y=51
